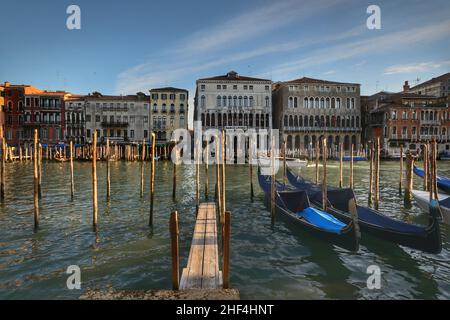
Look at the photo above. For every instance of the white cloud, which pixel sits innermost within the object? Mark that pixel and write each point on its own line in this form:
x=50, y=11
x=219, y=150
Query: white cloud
x=379, y=44
x=415, y=67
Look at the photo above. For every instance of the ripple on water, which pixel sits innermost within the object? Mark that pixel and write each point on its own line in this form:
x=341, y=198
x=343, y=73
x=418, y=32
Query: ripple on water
x=267, y=261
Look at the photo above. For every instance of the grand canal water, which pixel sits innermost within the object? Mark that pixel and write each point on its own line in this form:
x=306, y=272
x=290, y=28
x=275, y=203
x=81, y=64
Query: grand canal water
x=267, y=261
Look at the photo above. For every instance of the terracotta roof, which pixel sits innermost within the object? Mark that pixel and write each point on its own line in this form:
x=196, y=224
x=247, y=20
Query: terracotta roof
x=233, y=76
x=307, y=80
x=168, y=89
x=433, y=80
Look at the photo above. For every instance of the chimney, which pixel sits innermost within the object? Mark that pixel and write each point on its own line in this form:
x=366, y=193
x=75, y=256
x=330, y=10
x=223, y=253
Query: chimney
x=406, y=87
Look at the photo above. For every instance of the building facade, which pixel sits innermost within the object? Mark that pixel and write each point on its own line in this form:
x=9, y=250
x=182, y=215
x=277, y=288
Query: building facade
x=169, y=111
x=437, y=87
x=44, y=110
x=2, y=112
x=233, y=101
x=409, y=120
x=75, y=119
x=308, y=110
x=121, y=118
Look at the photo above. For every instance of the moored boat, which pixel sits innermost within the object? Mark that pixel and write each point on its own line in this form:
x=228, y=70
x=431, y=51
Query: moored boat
x=443, y=183
x=425, y=238
x=423, y=201
x=294, y=206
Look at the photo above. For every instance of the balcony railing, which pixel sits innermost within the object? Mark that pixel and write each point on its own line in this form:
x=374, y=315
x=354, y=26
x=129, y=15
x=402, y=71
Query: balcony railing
x=431, y=122
x=116, y=124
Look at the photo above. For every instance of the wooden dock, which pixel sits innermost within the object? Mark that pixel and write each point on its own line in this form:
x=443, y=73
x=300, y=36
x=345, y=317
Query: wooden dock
x=202, y=270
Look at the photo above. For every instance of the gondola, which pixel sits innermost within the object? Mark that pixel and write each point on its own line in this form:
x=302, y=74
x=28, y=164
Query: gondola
x=427, y=239
x=443, y=183
x=423, y=201
x=294, y=206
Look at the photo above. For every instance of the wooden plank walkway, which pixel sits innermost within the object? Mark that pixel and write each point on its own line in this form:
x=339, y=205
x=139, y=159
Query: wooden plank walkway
x=202, y=270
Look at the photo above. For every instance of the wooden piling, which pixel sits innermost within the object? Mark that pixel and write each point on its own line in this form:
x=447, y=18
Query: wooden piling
x=72, y=185
x=152, y=179
x=250, y=168
x=108, y=172
x=174, y=233
x=142, y=168
x=409, y=180
x=284, y=164
x=226, y=250
x=272, y=180
x=317, y=161
x=370, y=197
x=206, y=169
x=36, y=182
x=2, y=169
x=341, y=164
x=401, y=170
x=351, y=165
x=223, y=173
x=435, y=187
x=425, y=167
x=377, y=175
x=218, y=182
x=174, y=176
x=94, y=180
x=197, y=174
x=39, y=156
x=324, y=182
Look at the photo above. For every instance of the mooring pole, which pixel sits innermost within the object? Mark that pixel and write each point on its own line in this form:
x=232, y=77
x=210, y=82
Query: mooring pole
x=409, y=180
x=341, y=164
x=226, y=250
x=152, y=179
x=317, y=161
x=206, y=169
x=377, y=175
x=174, y=175
x=174, y=234
x=370, y=198
x=425, y=167
x=108, y=172
x=94, y=180
x=36, y=181
x=401, y=170
x=351, y=165
x=324, y=182
x=72, y=185
x=142, y=168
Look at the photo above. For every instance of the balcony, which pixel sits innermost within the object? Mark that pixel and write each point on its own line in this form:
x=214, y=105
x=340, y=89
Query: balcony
x=172, y=110
x=430, y=122
x=114, y=124
x=181, y=110
x=164, y=110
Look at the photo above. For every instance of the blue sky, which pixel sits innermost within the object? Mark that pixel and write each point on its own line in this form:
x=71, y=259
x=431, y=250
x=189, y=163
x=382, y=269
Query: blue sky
x=129, y=46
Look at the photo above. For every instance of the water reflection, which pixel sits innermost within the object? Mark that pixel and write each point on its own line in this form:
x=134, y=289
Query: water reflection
x=267, y=261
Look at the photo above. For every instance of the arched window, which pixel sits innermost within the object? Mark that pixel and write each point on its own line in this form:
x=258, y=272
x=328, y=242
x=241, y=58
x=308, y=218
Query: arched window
x=230, y=101
x=300, y=121
x=327, y=105
x=235, y=101
x=295, y=102
x=245, y=101
x=202, y=101
x=267, y=102
x=240, y=101
x=251, y=102
x=316, y=104
x=357, y=122
x=224, y=101
x=305, y=103
x=311, y=121
x=338, y=103
x=322, y=103
x=295, y=121
x=291, y=123
x=291, y=102
x=311, y=102
x=219, y=101
x=286, y=120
